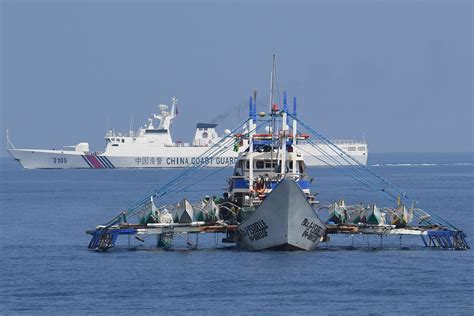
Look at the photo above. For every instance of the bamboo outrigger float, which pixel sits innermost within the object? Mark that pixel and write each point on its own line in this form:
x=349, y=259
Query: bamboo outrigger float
x=268, y=204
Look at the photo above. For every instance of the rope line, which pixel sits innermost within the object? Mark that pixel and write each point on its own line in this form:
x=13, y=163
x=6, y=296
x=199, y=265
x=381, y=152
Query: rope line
x=354, y=164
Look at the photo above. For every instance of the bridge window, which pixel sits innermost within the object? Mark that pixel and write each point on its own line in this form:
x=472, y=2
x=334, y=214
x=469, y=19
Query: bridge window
x=269, y=165
x=260, y=164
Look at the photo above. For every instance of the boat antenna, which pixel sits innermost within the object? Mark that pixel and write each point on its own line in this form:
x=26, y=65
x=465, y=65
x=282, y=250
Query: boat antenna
x=284, y=135
x=250, y=152
x=270, y=110
x=272, y=85
x=131, y=124
x=294, y=141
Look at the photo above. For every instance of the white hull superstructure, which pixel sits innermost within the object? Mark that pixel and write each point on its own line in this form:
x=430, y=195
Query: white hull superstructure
x=175, y=157
x=152, y=147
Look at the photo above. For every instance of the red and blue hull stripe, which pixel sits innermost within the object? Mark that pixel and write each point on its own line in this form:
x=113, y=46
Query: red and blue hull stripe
x=98, y=162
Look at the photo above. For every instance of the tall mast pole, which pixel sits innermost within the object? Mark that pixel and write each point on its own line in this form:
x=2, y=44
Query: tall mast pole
x=284, y=135
x=272, y=75
x=250, y=153
x=294, y=135
x=254, y=113
x=270, y=111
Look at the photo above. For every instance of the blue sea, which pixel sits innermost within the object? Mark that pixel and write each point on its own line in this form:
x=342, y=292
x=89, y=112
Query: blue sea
x=46, y=267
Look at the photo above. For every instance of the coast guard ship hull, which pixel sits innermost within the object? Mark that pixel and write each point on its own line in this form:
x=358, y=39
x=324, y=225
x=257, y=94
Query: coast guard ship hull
x=178, y=157
x=58, y=159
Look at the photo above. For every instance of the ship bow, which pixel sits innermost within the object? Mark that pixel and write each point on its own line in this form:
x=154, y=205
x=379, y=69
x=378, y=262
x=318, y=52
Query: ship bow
x=284, y=221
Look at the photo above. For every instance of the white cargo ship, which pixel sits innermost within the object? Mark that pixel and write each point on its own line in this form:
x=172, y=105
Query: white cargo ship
x=153, y=147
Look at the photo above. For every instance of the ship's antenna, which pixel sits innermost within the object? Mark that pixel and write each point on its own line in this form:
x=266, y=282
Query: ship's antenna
x=284, y=135
x=255, y=109
x=250, y=152
x=270, y=110
x=294, y=141
x=131, y=124
x=272, y=84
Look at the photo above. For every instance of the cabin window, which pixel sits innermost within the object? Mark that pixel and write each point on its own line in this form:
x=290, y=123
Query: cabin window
x=115, y=145
x=200, y=129
x=361, y=148
x=123, y=140
x=290, y=165
x=238, y=169
x=269, y=165
x=260, y=164
x=247, y=165
x=352, y=148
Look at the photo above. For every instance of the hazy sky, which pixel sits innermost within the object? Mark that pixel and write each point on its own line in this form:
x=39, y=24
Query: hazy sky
x=400, y=72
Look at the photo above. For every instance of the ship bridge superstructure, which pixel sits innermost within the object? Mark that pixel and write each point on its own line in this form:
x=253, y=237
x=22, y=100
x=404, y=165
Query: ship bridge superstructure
x=157, y=133
x=268, y=159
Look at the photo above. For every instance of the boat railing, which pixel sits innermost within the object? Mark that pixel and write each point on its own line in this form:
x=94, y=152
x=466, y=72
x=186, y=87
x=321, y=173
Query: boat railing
x=342, y=142
x=179, y=145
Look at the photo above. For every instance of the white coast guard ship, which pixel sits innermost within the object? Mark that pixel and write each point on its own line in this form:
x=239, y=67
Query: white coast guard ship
x=153, y=147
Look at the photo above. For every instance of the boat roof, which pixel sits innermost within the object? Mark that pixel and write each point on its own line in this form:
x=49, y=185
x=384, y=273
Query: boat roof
x=205, y=125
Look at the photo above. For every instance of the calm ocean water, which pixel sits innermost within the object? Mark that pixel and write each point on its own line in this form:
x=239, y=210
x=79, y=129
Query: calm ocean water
x=46, y=267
